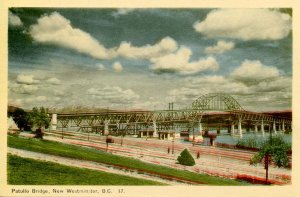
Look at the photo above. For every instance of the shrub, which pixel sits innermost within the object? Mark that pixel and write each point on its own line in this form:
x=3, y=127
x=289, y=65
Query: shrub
x=185, y=158
x=250, y=142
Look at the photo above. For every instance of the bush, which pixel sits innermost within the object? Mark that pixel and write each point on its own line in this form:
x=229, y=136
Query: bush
x=185, y=158
x=250, y=142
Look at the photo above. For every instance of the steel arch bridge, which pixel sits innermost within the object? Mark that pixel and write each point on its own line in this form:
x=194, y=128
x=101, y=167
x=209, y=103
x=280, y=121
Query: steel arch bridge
x=216, y=102
x=199, y=112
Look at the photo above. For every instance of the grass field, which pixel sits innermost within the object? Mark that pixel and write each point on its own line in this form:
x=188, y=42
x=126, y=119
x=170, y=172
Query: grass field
x=23, y=171
x=71, y=151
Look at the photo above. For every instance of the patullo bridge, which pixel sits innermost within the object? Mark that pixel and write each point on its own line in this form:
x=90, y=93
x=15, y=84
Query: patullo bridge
x=210, y=111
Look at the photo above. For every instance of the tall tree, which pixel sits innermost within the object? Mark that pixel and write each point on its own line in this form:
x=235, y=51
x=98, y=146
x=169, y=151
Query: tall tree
x=21, y=119
x=275, y=150
x=39, y=118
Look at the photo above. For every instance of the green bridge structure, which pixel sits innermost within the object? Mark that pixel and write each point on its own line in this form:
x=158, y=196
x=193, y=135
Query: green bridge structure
x=208, y=112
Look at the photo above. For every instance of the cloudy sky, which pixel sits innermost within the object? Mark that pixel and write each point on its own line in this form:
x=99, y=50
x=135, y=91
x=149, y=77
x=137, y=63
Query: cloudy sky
x=146, y=58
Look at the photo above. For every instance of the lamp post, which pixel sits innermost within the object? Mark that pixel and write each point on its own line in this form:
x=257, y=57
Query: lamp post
x=107, y=141
x=173, y=143
x=267, y=165
x=146, y=132
x=193, y=137
x=267, y=159
x=121, y=138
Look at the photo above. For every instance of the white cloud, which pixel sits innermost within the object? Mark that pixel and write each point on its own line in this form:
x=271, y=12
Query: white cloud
x=255, y=98
x=217, y=84
x=114, y=94
x=221, y=47
x=253, y=71
x=15, y=102
x=165, y=46
x=117, y=66
x=100, y=67
x=122, y=11
x=26, y=79
x=53, y=81
x=41, y=98
x=57, y=30
x=38, y=99
x=245, y=24
x=56, y=98
x=277, y=84
x=180, y=62
x=14, y=20
x=58, y=93
x=268, y=94
x=23, y=88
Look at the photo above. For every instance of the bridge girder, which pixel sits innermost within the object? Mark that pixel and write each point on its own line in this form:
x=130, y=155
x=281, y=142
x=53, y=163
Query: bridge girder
x=191, y=116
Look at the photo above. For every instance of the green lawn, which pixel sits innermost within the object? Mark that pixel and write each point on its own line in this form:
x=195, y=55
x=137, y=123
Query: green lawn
x=23, y=171
x=71, y=151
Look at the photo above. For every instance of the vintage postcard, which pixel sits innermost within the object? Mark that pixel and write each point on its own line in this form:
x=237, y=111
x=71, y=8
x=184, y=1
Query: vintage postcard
x=114, y=99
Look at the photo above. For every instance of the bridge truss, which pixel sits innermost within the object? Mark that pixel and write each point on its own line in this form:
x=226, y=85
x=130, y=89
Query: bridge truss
x=211, y=110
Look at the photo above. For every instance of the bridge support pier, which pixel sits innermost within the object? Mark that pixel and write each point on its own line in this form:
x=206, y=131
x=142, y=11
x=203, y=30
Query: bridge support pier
x=262, y=128
x=240, y=127
x=154, y=129
x=54, y=122
x=279, y=127
x=232, y=129
x=218, y=130
x=274, y=127
x=283, y=127
x=200, y=128
x=106, y=132
x=255, y=128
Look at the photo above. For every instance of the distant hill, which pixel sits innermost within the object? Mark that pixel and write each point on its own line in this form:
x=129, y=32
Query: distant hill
x=78, y=109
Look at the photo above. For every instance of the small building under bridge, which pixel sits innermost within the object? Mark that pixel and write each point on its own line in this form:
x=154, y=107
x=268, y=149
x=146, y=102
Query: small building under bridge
x=161, y=134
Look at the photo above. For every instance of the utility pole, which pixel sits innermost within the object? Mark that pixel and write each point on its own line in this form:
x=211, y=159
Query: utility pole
x=173, y=143
x=121, y=138
x=193, y=137
x=107, y=142
x=267, y=166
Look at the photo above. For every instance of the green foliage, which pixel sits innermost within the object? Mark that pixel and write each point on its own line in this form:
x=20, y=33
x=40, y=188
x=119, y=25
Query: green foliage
x=185, y=158
x=277, y=148
x=39, y=118
x=23, y=171
x=21, y=119
x=251, y=142
x=77, y=152
x=288, y=11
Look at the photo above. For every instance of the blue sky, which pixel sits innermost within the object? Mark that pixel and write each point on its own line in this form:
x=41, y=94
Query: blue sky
x=146, y=58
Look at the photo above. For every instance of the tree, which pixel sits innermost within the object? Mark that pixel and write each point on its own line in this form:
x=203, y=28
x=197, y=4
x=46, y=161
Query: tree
x=275, y=150
x=185, y=158
x=21, y=119
x=38, y=117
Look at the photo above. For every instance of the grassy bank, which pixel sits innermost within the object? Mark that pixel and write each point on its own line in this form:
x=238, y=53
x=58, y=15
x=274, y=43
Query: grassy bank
x=23, y=171
x=71, y=151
